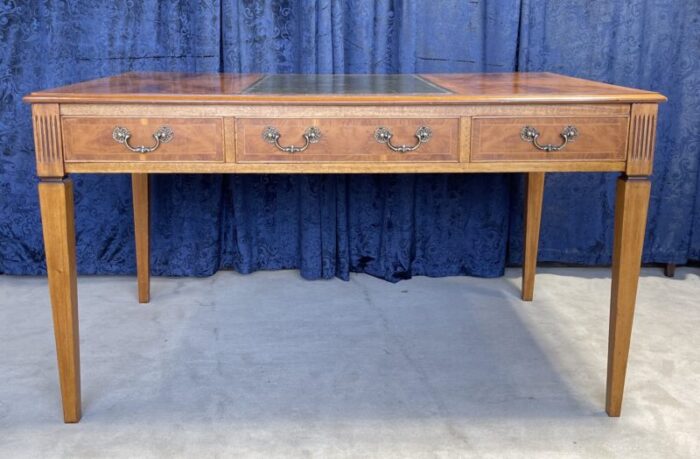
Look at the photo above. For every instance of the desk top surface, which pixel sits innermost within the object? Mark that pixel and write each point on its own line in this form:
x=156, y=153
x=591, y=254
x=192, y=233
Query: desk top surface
x=228, y=88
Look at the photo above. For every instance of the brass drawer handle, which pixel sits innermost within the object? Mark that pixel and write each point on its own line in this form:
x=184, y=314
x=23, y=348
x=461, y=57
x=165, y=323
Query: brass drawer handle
x=530, y=134
x=163, y=135
x=384, y=135
x=272, y=136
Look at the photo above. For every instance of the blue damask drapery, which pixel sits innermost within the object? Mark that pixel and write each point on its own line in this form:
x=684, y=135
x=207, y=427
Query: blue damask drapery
x=392, y=226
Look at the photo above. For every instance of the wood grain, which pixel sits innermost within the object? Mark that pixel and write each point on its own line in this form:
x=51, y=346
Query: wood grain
x=56, y=202
x=534, y=192
x=465, y=139
x=468, y=88
x=195, y=139
x=47, y=140
x=397, y=110
x=536, y=87
x=642, y=137
x=140, y=194
x=631, y=206
x=599, y=139
x=230, y=139
x=345, y=167
x=349, y=140
x=476, y=128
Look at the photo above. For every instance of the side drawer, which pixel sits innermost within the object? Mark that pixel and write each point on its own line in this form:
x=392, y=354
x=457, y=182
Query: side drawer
x=192, y=139
x=501, y=138
x=346, y=140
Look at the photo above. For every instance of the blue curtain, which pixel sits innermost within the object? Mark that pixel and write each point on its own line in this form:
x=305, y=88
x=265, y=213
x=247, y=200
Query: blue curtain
x=391, y=226
x=644, y=44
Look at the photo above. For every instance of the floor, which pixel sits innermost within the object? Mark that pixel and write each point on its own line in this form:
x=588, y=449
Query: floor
x=269, y=365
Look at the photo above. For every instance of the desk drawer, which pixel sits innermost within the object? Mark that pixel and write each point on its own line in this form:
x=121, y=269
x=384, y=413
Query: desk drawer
x=346, y=139
x=593, y=138
x=183, y=139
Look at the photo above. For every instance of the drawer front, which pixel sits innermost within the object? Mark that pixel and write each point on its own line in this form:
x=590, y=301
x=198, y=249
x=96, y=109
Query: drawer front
x=193, y=139
x=596, y=139
x=347, y=139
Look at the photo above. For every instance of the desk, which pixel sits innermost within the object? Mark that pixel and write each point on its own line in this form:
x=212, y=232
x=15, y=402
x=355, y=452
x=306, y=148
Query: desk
x=532, y=123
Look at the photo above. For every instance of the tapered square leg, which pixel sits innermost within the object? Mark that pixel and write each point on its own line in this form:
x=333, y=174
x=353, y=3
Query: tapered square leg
x=140, y=192
x=670, y=269
x=630, y=221
x=56, y=200
x=534, y=192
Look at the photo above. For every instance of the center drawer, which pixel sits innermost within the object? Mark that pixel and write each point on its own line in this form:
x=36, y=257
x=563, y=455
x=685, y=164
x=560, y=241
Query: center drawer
x=265, y=140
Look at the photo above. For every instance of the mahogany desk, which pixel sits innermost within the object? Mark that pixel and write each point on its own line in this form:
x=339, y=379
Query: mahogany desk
x=142, y=123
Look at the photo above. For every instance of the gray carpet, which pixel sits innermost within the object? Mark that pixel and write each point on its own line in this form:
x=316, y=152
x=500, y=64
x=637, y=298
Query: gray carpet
x=269, y=365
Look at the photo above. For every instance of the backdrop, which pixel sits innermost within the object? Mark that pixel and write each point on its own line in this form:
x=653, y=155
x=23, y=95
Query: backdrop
x=389, y=226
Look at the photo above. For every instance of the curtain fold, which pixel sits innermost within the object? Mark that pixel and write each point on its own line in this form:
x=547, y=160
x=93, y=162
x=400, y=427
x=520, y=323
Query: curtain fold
x=640, y=43
x=330, y=225
x=390, y=226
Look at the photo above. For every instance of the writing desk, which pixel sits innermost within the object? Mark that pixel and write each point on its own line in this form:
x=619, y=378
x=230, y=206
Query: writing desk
x=533, y=123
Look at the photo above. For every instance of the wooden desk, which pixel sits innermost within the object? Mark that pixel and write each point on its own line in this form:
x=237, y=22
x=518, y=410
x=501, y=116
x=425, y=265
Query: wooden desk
x=142, y=123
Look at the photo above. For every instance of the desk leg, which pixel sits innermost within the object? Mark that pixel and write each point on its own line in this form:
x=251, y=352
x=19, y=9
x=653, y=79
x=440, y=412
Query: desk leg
x=534, y=191
x=56, y=200
x=630, y=221
x=670, y=269
x=139, y=189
